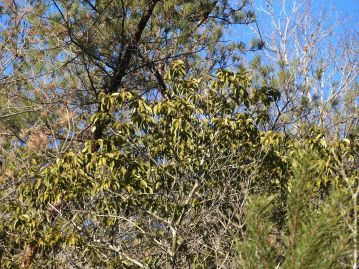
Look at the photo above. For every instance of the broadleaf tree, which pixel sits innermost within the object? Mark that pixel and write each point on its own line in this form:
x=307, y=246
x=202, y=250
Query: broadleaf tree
x=133, y=136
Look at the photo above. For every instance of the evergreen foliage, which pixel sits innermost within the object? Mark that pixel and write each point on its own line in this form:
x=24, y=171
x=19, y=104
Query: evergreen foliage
x=314, y=233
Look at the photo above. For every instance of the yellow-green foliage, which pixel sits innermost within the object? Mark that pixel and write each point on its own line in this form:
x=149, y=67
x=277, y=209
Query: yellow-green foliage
x=169, y=182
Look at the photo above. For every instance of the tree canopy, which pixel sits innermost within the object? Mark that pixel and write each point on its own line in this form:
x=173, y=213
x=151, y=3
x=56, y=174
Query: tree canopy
x=133, y=135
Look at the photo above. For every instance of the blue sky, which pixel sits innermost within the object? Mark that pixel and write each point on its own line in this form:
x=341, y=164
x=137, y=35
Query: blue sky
x=347, y=11
x=345, y=8
x=344, y=11
x=349, y=6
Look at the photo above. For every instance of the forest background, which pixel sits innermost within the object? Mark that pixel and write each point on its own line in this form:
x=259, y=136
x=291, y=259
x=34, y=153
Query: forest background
x=179, y=134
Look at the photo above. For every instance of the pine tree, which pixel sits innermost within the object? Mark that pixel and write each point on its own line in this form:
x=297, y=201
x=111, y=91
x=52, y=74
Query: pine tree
x=314, y=233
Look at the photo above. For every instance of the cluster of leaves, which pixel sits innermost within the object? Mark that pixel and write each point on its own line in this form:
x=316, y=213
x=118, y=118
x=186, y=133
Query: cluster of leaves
x=165, y=167
x=168, y=186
